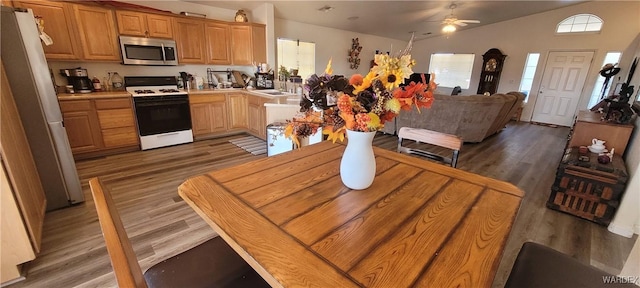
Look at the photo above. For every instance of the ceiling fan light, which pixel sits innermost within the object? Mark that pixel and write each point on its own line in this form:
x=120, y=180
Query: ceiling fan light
x=449, y=28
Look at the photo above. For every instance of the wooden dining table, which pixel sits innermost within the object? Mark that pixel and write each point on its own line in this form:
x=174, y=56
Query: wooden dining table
x=420, y=224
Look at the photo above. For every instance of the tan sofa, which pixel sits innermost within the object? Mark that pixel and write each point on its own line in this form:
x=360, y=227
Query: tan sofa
x=473, y=118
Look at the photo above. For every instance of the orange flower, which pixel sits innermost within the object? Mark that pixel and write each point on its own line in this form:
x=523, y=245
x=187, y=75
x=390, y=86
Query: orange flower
x=344, y=103
x=405, y=98
x=424, y=100
x=388, y=116
x=356, y=80
x=349, y=119
x=361, y=121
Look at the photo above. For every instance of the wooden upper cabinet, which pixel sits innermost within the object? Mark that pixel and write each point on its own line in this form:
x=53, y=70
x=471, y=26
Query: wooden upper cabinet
x=131, y=23
x=159, y=26
x=190, y=40
x=58, y=24
x=98, y=38
x=259, y=41
x=241, y=47
x=218, y=43
x=144, y=25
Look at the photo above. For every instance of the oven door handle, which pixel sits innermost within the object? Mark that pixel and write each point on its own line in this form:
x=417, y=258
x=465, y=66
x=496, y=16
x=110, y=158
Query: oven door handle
x=161, y=103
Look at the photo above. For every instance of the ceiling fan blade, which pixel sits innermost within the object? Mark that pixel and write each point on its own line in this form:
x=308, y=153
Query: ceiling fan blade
x=468, y=21
x=460, y=24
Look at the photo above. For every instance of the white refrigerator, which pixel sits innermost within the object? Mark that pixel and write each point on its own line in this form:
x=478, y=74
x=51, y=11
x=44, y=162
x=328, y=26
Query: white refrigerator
x=30, y=80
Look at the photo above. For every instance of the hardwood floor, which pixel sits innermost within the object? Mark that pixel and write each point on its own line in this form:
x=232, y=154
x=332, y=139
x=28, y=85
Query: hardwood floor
x=160, y=225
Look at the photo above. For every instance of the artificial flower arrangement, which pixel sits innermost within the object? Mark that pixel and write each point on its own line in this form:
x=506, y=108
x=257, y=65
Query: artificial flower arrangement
x=334, y=103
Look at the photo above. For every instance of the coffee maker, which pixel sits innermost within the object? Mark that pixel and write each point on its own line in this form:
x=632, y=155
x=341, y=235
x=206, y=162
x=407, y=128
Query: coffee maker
x=79, y=78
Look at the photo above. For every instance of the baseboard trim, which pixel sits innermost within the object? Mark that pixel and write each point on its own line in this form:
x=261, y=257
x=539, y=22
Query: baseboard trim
x=624, y=231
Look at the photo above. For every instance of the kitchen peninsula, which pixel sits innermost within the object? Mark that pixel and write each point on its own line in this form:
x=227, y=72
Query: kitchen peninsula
x=103, y=123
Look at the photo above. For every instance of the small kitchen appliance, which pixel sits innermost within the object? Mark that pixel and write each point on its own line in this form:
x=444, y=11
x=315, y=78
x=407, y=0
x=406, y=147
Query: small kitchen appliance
x=79, y=79
x=148, y=51
x=162, y=111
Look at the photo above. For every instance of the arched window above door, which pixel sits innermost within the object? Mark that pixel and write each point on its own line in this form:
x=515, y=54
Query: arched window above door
x=579, y=24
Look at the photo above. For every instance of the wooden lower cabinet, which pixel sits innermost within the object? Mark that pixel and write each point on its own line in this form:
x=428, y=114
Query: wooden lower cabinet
x=97, y=125
x=82, y=126
x=117, y=122
x=257, y=116
x=237, y=109
x=208, y=114
x=218, y=113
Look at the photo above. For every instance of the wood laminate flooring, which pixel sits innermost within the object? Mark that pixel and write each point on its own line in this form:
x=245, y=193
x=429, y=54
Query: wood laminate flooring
x=160, y=225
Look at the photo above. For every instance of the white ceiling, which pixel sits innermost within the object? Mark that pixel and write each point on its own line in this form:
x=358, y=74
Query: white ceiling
x=396, y=19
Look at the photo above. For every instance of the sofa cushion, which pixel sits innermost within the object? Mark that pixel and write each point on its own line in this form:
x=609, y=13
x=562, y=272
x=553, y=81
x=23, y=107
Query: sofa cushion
x=473, y=118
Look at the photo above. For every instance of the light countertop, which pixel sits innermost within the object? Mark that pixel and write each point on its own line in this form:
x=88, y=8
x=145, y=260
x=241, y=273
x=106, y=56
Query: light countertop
x=93, y=95
x=279, y=98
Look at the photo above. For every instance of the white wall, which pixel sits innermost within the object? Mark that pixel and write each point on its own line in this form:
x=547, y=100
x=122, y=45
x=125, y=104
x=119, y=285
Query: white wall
x=265, y=14
x=536, y=34
x=627, y=218
x=334, y=43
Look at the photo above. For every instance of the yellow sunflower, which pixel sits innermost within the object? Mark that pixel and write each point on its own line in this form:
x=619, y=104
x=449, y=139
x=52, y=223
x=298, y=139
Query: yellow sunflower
x=392, y=79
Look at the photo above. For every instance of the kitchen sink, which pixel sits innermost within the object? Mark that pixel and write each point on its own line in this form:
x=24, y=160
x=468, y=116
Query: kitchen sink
x=274, y=92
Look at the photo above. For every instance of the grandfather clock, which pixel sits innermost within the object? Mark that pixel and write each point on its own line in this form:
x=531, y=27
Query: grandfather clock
x=491, y=69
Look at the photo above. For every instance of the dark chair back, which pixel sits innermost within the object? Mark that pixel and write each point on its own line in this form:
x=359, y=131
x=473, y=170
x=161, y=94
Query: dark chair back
x=456, y=90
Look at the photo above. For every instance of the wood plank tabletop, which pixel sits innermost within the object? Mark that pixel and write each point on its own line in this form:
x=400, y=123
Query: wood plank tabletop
x=420, y=224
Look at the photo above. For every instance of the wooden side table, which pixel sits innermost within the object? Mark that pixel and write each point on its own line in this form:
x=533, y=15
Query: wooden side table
x=588, y=189
x=589, y=126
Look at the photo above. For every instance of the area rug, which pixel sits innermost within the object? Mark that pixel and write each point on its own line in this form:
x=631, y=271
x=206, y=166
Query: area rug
x=251, y=144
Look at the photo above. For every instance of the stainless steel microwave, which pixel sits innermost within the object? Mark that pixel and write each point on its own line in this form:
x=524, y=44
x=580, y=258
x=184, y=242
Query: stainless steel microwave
x=148, y=51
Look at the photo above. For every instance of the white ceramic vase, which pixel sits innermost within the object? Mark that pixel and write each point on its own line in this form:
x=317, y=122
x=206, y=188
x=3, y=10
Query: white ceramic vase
x=358, y=165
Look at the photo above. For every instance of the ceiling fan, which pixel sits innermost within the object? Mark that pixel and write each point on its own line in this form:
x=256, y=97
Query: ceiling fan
x=449, y=23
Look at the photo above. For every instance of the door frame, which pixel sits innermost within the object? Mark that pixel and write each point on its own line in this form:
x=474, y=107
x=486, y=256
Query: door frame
x=537, y=81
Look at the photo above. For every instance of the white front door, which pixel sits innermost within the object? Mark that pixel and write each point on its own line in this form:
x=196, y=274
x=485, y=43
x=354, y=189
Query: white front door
x=561, y=87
